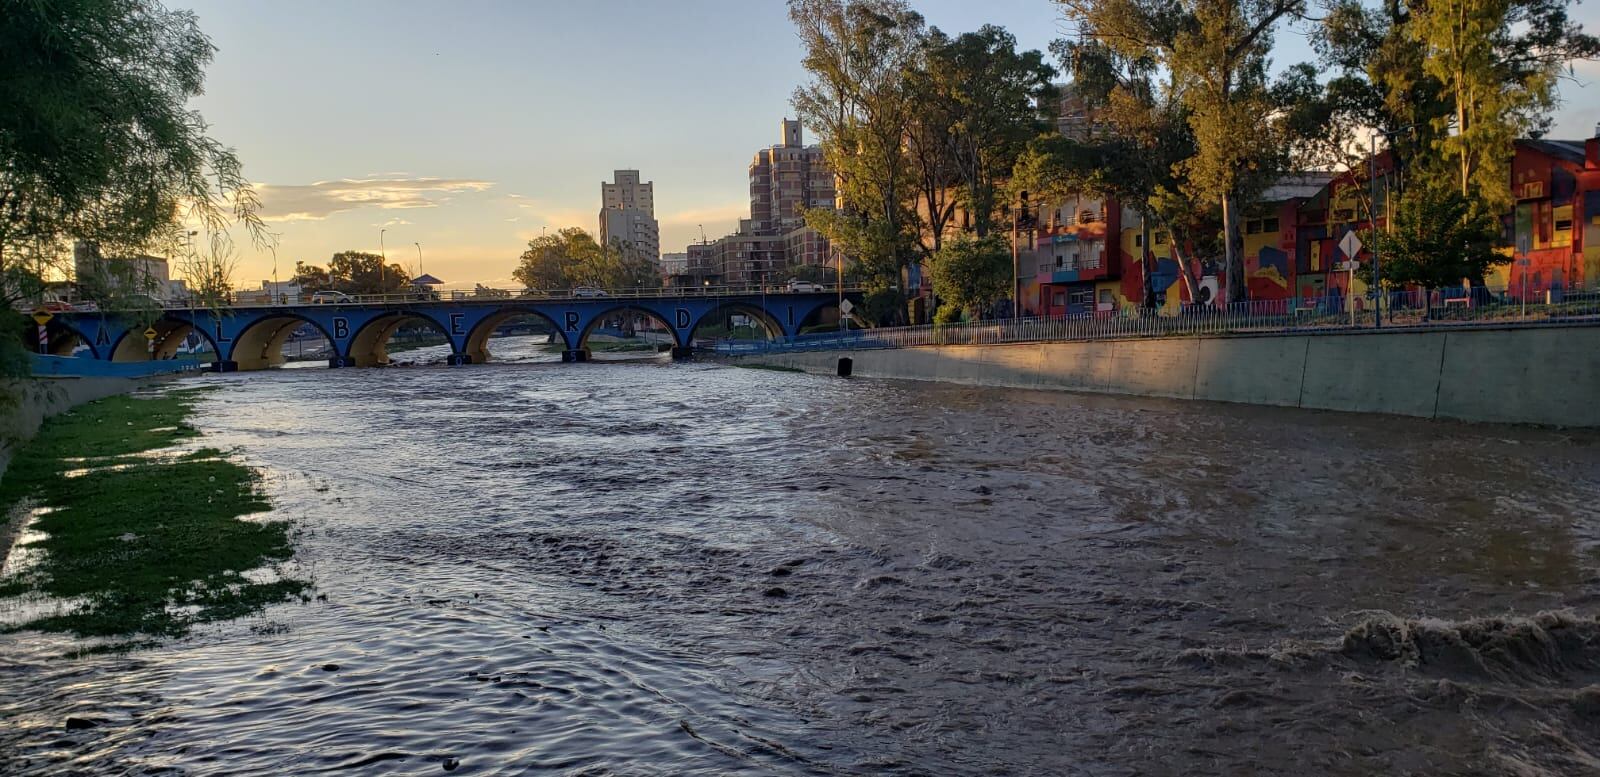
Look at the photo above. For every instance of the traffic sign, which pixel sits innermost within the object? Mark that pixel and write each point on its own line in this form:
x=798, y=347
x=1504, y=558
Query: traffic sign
x=845, y=306
x=41, y=316
x=150, y=334
x=1350, y=244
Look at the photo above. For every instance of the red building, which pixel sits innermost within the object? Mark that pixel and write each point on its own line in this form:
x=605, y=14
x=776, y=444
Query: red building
x=1556, y=224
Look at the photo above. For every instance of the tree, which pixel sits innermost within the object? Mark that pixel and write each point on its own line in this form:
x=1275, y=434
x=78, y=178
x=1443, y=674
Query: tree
x=1439, y=237
x=571, y=258
x=311, y=278
x=859, y=104
x=1497, y=61
x=353, y=272
x=972, y=273
x=1216, y=54
x=1465, y=78
x=97, y=141
x=994, y=100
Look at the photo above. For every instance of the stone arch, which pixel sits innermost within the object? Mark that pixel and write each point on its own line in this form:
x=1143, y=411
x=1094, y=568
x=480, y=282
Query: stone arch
x=596, y=322
x=770, y=323
x=62, y=338
x=367, y=344
x=260, y=344
x=476, y=350
x=132, y=346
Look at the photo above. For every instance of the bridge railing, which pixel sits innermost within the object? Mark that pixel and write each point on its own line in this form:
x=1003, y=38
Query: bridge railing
x=1402, y=309
x=486, y=294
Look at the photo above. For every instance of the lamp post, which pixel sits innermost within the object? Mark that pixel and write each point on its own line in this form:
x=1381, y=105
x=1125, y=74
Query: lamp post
x=419, y=258
x=1372, y=218
x=383, y=260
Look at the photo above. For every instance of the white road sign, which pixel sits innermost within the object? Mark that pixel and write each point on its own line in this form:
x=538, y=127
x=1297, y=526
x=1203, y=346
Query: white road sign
x=846, y=306
x=1350, y=244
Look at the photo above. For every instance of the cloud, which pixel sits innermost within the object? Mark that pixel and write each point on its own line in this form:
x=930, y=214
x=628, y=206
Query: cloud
x=317, y=201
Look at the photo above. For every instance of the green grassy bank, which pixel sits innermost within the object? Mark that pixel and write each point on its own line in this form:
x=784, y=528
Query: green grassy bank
x=143, y=542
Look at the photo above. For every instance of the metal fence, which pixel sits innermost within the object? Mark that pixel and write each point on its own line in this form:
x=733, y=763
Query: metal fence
x=1401, y=309
x=80, y=367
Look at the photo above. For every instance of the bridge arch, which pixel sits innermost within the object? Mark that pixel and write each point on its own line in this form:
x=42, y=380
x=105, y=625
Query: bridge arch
x=368, y=344
x=476, y=349
x=259, y=344
x=171, y=333
x=62, y=339
x=721, y=314
x=624, y=312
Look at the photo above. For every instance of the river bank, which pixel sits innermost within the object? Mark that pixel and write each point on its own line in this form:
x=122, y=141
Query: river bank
x=1547, y=376
x=125, y=537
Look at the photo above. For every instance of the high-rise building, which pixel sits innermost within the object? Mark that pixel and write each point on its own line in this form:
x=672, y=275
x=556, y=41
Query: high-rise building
x=785, y=180
x=628, y=215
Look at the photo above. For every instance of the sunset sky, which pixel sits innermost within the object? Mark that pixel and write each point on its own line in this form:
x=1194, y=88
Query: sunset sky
x=469, y=127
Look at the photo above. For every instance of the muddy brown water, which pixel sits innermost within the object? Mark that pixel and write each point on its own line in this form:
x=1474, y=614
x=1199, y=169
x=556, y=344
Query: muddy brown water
x=690, y=569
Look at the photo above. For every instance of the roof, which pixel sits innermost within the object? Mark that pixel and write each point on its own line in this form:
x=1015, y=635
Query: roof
x=1570, y=150
x=1291, y=186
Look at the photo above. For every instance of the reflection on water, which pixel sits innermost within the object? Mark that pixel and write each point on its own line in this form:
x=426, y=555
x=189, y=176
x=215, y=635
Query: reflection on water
x=686, y=569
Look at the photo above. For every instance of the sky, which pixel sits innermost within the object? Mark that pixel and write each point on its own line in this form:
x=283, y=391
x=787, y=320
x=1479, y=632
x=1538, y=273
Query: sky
x=471, y=127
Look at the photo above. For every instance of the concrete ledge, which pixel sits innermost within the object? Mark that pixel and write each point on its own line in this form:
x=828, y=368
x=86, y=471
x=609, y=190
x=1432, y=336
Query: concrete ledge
x=1537, y=375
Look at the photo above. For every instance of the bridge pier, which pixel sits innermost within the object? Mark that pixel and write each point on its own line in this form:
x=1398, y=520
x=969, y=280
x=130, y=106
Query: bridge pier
x=223, y=365
x=341, y=361
x=575, y=355
x=458, y=359
x=681, y=352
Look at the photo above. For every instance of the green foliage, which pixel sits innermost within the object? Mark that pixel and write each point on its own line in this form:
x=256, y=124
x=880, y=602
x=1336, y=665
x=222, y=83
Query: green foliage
x=151, y=545
x=1439, y=237
x=1214, y=57
x=989, y=100
x=859, y=102
x=949, y=314
x=1467, y=77
x=571, y=258
x=353, y=272
x=972, y=273
x=97, y=138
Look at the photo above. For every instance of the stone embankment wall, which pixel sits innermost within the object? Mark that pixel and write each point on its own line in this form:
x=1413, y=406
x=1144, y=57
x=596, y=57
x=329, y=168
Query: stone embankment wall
x=1545, y=375
x=35, y=400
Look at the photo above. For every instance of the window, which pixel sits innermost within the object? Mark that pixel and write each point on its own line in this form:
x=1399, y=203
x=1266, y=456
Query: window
x=1105, y=296
x=1252, y=227
x=1269, y=225
x=1060, y=299
x=1161, y=238
x=1138, y=241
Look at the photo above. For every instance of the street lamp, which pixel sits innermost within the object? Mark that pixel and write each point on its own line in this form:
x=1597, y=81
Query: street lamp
x=1372, y=218
x=419, y=257
x=383, y=260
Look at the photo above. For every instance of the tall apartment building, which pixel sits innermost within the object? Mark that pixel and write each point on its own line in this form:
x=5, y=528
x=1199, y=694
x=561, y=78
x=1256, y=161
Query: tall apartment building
x=785, y=179
x=628, y=215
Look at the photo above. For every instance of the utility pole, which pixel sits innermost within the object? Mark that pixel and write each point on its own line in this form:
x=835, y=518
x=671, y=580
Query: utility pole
x=1372, y=216
x=1016, y=279
x=383, y=261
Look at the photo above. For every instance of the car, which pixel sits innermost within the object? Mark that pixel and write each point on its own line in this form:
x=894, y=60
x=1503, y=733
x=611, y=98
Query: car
x=589, y=291
x=330, y=298
x=797, y=285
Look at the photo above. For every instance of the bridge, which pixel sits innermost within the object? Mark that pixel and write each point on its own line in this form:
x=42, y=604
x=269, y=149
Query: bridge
x=251, y=337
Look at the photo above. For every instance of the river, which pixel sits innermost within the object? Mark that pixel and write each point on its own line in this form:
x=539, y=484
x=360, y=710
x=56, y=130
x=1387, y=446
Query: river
x=690, y=569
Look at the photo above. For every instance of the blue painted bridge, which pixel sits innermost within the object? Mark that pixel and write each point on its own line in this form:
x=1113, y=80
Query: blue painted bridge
x=252, y=337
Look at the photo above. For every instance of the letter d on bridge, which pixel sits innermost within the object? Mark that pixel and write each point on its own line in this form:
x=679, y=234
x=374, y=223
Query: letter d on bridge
x=683, y=318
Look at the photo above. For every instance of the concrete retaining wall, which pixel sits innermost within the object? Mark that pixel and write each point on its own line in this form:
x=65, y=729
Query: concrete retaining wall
x=1543, y=375
x=37, y=400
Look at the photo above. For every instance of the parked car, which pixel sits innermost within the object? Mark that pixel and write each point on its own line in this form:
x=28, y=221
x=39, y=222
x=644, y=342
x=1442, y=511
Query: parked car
x=797, y=285
x=589, y=291
x=330, y=298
